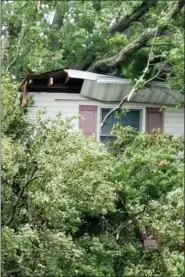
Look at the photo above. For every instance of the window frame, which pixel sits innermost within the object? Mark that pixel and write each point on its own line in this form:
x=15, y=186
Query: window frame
x=133, y=108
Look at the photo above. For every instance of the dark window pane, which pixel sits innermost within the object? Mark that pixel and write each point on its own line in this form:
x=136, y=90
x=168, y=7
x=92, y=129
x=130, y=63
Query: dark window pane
x=136, y=125
x=125, y=119
x=106, y=139
x=131, y=118
x=107, y=128
x=104, y=112
x=135, y=116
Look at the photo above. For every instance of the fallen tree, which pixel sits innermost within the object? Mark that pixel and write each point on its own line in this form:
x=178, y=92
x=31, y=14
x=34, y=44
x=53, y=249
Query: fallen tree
x=125, y=22
x=119, y=59
x=142, y=81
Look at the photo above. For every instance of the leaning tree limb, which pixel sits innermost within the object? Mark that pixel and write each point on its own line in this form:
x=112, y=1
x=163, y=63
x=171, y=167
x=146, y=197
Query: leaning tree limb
x=113, y=111
x=118, y=59
x=125, y=21
x=133, y=91
x=136, y=45
x=136, y=87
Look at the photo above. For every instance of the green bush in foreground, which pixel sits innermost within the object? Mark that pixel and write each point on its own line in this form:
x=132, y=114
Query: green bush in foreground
x=71, y=208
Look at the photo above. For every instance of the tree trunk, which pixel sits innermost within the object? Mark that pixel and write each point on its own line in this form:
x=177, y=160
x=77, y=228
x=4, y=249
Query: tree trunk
x=125, y=21
x=102, y=66
x=118, y=59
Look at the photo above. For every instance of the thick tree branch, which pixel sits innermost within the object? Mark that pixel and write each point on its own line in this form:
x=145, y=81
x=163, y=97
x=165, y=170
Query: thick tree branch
x=103, y=65
x=160, y=44
x=136, y=87
x=133, y=91
x=125, y=21
x=118, y=59
x=113, y=111
x=156, y=75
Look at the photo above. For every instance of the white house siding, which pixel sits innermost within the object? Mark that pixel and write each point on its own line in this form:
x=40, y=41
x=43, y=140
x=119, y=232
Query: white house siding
x=68, y=104
x=174, y=122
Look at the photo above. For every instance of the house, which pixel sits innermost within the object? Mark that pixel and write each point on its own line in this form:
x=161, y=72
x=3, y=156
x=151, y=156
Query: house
x=92, y=95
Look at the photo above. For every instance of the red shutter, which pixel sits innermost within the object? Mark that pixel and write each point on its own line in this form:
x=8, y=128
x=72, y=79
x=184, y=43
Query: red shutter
x=89, y=124
x=154, y=119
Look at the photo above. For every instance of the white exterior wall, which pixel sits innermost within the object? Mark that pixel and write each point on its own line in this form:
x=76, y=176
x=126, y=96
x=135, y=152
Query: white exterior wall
x=68, y=104
x=174, y=122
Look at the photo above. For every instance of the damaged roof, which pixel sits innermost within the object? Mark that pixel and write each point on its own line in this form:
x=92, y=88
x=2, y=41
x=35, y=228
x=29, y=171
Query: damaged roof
x=65, y=74
x=96, y=86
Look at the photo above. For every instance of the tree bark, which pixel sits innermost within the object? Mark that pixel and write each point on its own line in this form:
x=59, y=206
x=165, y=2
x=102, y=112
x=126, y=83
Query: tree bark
x=102, y=66
x=125, y=21
x=118, y=59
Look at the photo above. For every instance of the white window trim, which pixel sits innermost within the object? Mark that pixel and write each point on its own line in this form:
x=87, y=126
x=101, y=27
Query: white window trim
x=130, y=107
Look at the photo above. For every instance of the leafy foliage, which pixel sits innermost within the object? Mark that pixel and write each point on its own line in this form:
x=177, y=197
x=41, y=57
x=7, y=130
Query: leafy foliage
x=68, y=206
x=51, y=182
x=49, y=35
x=150, y=171
x=14, y=119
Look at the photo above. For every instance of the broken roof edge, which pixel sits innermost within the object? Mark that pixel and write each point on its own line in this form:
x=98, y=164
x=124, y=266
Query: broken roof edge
x=71, y=73
x=79, y=74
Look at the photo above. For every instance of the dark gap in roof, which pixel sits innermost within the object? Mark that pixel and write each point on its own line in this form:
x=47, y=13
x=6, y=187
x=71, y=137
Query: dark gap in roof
x=41, y=85
x=54, y=90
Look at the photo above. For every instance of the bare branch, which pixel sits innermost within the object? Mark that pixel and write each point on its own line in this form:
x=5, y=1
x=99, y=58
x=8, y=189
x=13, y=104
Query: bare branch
x=145, y=71
x=10, y=50
x=18, y=48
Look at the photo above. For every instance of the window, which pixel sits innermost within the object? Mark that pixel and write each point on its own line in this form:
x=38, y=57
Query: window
x=132, y=118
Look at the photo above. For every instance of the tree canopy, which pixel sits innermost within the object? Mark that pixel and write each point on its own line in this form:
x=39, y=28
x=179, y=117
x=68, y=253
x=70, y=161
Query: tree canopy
x=111, y=37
